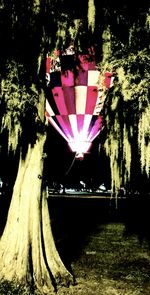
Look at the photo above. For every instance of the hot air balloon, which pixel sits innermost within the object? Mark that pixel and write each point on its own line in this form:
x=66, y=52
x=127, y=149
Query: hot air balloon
x=73, y=98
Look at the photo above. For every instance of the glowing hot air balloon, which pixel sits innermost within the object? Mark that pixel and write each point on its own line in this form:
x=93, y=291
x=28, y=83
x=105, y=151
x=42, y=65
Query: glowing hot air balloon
x=73, y=99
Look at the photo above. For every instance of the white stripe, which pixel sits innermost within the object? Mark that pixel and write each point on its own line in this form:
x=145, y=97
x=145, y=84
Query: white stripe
x=74, y=127
x=80, y=99
x=111, y=82
x=49, y=109
x=93, y=78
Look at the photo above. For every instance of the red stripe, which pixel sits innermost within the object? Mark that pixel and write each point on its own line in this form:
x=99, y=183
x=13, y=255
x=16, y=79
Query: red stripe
x=92, y=93
x=67, y=78
x=48, y=64
x=69, y=97
x=60, y=100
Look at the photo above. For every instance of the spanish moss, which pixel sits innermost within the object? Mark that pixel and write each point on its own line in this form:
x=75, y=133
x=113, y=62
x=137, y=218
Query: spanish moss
x=91, y=15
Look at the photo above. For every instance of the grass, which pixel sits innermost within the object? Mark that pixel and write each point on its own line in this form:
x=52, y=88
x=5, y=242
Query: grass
x=104, y=258
x=112, y=264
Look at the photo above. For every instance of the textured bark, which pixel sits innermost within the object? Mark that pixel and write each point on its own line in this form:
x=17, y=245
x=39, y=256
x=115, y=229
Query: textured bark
x=27, y=248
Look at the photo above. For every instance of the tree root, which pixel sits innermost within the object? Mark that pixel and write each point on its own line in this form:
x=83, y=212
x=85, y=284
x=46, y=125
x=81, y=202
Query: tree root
x=65, y=280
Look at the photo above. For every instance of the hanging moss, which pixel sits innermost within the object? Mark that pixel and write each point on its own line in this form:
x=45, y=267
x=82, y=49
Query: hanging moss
x=106, y=46
x=36, y=6
x=144, y=140
x=74, y=28
x=127, y=120
x=18, y=100
x=61, y=31
x=91, y=15
x=126, y=154
x=111, y=147
x=148, y=20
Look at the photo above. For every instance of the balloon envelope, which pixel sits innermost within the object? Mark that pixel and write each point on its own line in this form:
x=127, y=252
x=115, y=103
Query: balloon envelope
x=73, y=99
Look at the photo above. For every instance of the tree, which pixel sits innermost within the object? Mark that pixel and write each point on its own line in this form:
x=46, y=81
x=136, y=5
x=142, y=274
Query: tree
x=33, y=258
x=127, y=104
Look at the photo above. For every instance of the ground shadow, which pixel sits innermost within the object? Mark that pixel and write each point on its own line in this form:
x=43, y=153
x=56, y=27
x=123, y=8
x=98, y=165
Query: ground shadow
x=73, y=219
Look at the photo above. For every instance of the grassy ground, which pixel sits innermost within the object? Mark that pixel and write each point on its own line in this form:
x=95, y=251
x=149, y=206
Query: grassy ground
x=102, y=247
x=112, y=248
x=112, y=264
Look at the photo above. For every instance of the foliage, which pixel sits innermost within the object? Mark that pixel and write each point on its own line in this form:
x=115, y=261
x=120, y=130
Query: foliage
x=127, y=116
x=121, y=42
x=91, y=15
x=19, y=101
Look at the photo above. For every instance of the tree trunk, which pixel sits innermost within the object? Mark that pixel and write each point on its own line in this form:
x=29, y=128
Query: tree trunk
x=27, y=249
